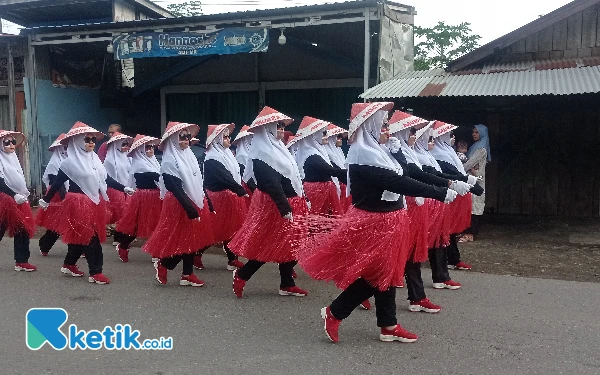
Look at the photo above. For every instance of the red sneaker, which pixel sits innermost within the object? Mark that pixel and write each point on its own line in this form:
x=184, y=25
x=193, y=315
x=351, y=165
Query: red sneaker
x=190, y=280
x=452, y=285
x=98, y=279
x=123, y=254
x=25, y=267
x=366, y=305
x=44, y=253
x=198, y=262
x=71, y=270
x=424, y=305
x=292, y=291
x=460, y=266
x=331, y=324
x=397, y=334
x=294, y=274
x=161, y=273
x=238, y=285
x=234, y=265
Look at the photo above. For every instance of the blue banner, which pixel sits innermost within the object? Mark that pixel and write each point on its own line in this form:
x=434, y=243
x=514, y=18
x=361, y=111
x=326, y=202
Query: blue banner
x=222, y=42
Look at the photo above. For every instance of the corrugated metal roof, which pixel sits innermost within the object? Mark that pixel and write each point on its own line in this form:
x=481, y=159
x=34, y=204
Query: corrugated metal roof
x=532, y=78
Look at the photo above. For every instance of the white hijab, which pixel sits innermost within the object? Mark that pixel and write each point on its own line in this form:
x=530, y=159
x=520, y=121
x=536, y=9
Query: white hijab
x=11, y=171
x=242, y=150
x=444, y=152
x=267, y=148
x=142, y=163
x=183, y=165
x=59, y=154
x=117, y=163
x=335, y=153
x=407, y=151
x=216, y=151
x=309, y=146
x=422, y=152
x=85, y=169
x=366, y=150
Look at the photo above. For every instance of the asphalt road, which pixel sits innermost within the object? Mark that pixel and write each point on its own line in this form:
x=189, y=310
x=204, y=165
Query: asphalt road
x=494, y=325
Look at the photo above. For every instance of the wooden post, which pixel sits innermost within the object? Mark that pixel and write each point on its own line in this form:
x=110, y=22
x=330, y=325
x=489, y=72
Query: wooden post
x=367, y=62
x=34, y=148
x=12, y=115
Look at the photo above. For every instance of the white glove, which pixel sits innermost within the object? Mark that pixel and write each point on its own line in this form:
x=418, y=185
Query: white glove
x=197, y=219
x=20, y=199
x=289, y=217
x=43, y=204
x=394, y=144
x=420, y=201
x=309, y=205
x=471, y=180
x=460, y=187
x=450, y=196
x=129, y=191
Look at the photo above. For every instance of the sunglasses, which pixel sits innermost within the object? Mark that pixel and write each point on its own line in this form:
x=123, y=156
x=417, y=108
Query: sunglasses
x=149, y=147
x=184, y=137
x=90, y=139
x=7, y=142
x=280, y=125
x=339, y=137
x=324, y=133
x=226, y=137
x=125, y=144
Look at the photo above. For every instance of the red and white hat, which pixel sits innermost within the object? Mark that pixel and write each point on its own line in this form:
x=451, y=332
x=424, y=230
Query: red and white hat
x=441, y=128
x=81, y=128
x=141, y=140
x=243, y=133
x=402, y=120
x=118, y=136
x=215, y=130
x=57, y=142
x=308, y=126
x=424, y=129
x=269, y=115
x=335, y=130
x=289, y=140
x=174, y=127
x=362, y=111
x=19, y=137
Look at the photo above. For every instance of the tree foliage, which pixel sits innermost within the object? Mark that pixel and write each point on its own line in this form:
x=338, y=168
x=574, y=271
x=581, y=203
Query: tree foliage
x=443, y=43
x=185, y=9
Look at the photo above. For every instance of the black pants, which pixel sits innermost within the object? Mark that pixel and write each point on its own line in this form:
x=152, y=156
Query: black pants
x=172, y=262
x=230, y=255
x=124, y=240
x=475, y=224
x=93, y=255
x=48, y=240
x=439, y=265
x=414, y=282
x=452, y=251
x=21, y=245
x=285, y=272
x=359, y=291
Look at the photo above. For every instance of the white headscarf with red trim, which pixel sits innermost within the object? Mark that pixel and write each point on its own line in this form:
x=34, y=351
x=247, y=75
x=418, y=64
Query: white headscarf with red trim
x=59, y=154
x=216, y=151
x=142, y=163
x=117, y=164
x=11, y=171
x=444, y=152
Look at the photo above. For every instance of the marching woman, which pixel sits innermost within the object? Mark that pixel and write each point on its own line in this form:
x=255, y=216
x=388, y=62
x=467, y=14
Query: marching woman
x=16, y=217
x=50, y=218
x=223, y=184
x=366, y=254
x=268, y=233
x=316, y=169
x=242, y=143
x=335, y=136
x=117, y=166
x=84, y=211
x=142, y=212
x=422, y=212
x=185, y=220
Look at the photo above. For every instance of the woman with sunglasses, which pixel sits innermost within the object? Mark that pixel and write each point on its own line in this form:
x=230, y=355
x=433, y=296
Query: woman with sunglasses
x=84, y=210
x=117, y=166
x=185, y=223
x=51, y=218
x=335, y=136
x=223, y=184
x=142, y=212
x=16, y=217
x=268, y=233
x=320, y=179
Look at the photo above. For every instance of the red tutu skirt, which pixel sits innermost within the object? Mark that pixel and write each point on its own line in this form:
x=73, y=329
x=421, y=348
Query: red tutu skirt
x=458, y=214
x=230, y=213
x=82, y=219
x=438, y=234
x=176, y=234
x=323, y=197
x=369, y=245
x=419, y=230
x=345, y=200
x=16, y=217
x=116, y=205
x=141, y=213
x=266, y=236
x=51, y=217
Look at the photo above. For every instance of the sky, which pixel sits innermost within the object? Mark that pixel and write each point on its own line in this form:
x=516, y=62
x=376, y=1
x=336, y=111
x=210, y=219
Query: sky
x=489, y=19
